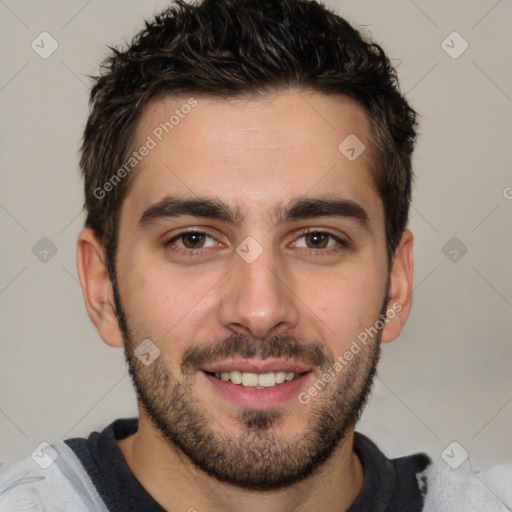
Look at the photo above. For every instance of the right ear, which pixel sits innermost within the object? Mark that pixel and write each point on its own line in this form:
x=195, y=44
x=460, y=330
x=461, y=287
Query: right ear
x=97, y=288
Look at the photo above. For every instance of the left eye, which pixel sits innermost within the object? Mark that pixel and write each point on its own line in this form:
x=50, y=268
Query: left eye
x=319, y=239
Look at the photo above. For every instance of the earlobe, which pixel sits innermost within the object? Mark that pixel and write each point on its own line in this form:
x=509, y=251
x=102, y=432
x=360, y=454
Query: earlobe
x=400, y=288
x=97, y=288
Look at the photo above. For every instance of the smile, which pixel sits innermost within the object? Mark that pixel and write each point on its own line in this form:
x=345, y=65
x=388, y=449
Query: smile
x=255, y=380
x=243, y=389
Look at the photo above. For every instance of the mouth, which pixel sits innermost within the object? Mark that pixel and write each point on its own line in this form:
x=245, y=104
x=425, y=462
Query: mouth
x=257, y=384
x=255, y=380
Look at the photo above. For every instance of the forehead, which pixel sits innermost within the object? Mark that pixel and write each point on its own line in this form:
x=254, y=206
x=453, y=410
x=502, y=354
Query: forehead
x=254, y=154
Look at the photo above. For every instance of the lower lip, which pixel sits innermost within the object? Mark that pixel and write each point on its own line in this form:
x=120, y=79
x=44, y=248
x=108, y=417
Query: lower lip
x=251, y=398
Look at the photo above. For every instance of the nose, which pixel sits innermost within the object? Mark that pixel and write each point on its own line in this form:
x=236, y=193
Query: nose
x=257, y=299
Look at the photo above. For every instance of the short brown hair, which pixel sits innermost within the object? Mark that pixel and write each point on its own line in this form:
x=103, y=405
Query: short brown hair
x=235, y=47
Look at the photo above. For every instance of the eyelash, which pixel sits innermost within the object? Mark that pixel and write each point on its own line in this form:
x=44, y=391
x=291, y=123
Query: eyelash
x=342, y=244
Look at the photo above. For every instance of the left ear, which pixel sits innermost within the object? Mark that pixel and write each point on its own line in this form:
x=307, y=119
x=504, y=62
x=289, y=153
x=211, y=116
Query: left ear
x=400, y=288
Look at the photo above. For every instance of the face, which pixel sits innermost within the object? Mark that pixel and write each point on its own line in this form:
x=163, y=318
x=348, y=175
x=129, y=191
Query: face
x=251, y=248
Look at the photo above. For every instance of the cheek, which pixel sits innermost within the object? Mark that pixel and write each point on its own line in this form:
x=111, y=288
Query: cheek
x=346, y=303
x=161, y=301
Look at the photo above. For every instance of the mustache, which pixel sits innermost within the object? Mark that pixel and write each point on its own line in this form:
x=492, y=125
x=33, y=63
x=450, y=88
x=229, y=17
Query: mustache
x=275, y=346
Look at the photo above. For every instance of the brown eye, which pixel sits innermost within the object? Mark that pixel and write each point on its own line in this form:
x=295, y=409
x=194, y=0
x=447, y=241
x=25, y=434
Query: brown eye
x=317, y=239
x=193, y=240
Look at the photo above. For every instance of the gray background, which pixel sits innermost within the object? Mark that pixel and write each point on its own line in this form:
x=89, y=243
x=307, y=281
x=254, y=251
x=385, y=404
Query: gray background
x=447, y=378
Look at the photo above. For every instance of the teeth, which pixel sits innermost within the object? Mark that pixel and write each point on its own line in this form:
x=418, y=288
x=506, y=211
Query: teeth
x=250, y=379
x=280, y=377
x=236, y=377
x=266, y=380
x=255, y=380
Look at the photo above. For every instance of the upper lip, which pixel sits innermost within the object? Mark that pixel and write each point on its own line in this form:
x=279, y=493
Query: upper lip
x=256, y=366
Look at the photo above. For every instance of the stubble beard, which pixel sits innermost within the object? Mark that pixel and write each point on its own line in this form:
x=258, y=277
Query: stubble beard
x=257, y=457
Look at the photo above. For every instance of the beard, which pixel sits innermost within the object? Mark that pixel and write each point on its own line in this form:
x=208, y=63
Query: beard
x=258, y=457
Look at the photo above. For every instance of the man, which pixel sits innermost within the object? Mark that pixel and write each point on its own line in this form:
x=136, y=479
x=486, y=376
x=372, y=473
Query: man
x=247, y=171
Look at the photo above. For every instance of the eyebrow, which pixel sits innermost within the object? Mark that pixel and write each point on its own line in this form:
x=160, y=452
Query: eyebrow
x=298, y=209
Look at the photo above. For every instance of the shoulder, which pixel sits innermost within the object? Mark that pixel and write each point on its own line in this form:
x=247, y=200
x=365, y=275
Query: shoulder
x=51, y=476
x=390, y=484
x=465, y=490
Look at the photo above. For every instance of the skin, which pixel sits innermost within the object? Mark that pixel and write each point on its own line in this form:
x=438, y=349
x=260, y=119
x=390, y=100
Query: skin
x=255, y=154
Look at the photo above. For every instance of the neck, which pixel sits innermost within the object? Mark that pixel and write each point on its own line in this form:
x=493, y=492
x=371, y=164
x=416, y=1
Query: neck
x=177, y=484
